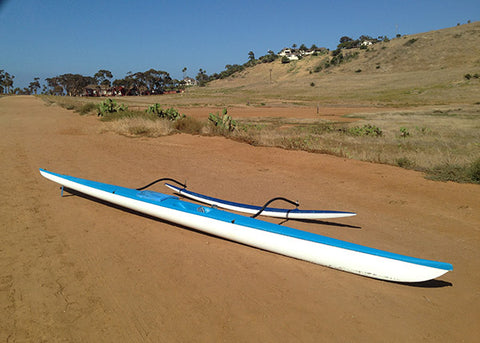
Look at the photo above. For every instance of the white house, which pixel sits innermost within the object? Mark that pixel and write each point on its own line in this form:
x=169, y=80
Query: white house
x=188, y=81
x=294, y=54
x=291, y=54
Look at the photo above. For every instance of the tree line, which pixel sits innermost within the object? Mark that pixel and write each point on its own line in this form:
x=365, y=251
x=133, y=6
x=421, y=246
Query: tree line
x=151, y=81
x=148, y=82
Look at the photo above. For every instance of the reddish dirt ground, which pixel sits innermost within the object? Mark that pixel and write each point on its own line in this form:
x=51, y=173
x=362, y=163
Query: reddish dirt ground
x=75, y=270
x=333, y=113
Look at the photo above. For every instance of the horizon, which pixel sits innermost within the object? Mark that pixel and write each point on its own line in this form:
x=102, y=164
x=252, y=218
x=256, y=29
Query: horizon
x=51, y=38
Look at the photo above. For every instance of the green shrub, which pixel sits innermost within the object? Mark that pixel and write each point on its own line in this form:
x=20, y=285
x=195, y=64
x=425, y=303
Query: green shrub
x=474, y=171
x=318, y=68
x=169, y=114
x=224, y=122
x=110, y=106
x=365, y=130
x=404, y=133
x=410, y=42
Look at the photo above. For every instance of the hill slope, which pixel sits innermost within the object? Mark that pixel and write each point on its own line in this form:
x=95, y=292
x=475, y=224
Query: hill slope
x=425, y=68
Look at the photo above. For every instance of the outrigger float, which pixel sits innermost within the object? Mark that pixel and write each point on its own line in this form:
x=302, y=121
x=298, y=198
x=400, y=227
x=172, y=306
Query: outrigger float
x=295, y=213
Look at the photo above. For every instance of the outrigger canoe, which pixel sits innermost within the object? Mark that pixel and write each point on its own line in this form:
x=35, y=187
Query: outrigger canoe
x=264, y=211
x=280, y=239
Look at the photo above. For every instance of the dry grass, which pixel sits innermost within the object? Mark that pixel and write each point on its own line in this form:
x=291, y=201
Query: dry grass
x=415, y=139
x=139, y=127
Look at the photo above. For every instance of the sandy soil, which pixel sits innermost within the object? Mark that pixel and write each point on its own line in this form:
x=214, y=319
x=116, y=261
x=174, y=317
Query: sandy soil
x=75, y=270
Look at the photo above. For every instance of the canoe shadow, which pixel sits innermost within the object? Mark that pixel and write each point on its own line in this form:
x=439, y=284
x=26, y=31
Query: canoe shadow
x=426, y=284
x=321, y=222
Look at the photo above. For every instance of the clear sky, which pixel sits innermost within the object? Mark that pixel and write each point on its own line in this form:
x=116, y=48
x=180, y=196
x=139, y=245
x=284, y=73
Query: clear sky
x=46, y=38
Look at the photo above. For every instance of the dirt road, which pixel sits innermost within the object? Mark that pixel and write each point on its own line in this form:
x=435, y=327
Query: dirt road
x=74, y=270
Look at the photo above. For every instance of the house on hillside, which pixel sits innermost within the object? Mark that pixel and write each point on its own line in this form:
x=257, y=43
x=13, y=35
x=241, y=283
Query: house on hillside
x=366, y=43
x=291, y=54
x=295, y=54
x=188, y=81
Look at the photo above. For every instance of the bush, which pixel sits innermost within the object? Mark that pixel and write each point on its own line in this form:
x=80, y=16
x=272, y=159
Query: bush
x=448, y=172
x=87, y=108
x=456, y=173
x=365, y=130
x=110, y=106
x=404, y=162
x=224, y=123
x=169, y=114
x=474, y=171
x=404, y=133
x=189, y=125
x=410, y=42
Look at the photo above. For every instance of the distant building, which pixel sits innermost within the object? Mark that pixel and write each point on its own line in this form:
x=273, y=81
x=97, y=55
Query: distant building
x=188, y=81
x=295, y=54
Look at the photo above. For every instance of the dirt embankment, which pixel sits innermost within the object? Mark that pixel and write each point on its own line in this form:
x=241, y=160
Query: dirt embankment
x=79, y=271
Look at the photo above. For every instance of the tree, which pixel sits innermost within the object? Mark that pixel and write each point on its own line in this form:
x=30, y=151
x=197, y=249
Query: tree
x=148, y=82
x=348, y=43
x=34, y=85
x=202, y=77
x=54, y=84
x=74, y=84
x=270, y=57
x=102, y=77
x=184, y=71
x=6, y=82
x=345, y=39
x=251, y=56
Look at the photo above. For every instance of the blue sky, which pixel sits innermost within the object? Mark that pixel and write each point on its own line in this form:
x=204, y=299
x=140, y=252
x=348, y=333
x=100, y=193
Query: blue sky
x=46, y=38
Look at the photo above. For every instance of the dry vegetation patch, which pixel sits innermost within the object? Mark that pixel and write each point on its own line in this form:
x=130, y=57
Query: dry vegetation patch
x=139, y=127
x=442, y=141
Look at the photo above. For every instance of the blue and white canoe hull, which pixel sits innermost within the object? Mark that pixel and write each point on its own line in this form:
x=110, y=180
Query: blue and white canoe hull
x=283, y=240
x=267, y=212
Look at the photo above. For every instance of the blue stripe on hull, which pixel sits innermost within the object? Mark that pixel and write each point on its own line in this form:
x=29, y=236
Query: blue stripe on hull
x=175, y=203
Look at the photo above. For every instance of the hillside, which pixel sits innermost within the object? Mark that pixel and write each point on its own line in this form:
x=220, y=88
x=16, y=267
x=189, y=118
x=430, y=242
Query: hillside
x=421, y=69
